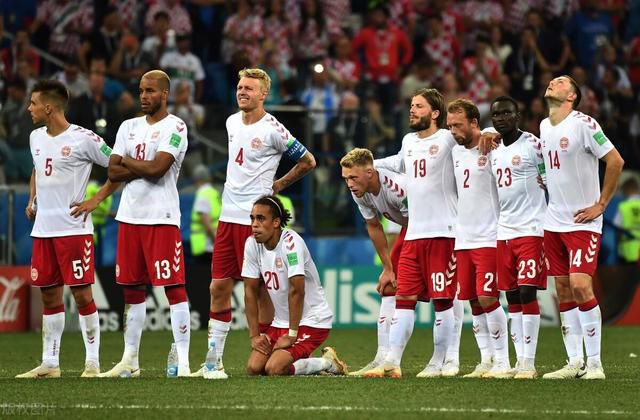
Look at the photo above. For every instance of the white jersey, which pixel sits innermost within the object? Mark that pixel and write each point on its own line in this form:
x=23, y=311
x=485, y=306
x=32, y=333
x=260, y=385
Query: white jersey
x=62, y=168
x=254, y=154
x=431, y=187
x=477, y=222
x=391, y=201
x=289, y=258
x=522, y=202
x=151, y=201
x=571, y=151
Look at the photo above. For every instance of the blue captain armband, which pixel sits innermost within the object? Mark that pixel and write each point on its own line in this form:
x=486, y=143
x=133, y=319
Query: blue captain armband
x=295, y=150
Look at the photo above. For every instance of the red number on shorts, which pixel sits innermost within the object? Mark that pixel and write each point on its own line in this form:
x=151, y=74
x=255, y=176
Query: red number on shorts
x=489, y=277
x=48, y=166
x=554, y=160
x=507, y=177
x=531, y=272
x=140, y=148
x=271, y=280
x=467, y=173
x=419, y=168
x=240, y=157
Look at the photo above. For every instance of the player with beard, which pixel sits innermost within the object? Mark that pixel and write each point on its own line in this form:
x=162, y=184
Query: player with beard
x=427, y=261
x=147, y=156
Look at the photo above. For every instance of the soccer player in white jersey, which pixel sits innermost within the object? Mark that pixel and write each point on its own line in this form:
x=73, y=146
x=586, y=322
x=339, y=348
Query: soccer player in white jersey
x=476, y=231
x=63, y=253
x=147, y=155
x=427, y=262
x=572, y=143
x=257, y=141
x=378, y=192
x=516, y=163
x=302, y=317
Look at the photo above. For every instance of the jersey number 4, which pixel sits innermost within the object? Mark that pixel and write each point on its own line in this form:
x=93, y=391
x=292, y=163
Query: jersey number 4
x=240, y=157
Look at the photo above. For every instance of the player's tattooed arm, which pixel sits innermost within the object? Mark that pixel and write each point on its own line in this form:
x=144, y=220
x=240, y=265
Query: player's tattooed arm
x=87, y=206
x=296, y=303
x=155, y=168
x=614, y=163
x=305, y=165
x=117, y=172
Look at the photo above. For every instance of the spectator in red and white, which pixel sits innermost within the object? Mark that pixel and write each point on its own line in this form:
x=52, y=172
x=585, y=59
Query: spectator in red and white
x=552, y=42
x=343, y=69
x=442, y=49
x=20, y=49
x=162, y=39
x=130, y=12
x=71, y=76
x=607, y=60
x=180, y=21
x=452, y=21
x=130, y=62
x=481, y=13
x=499, y=49
x=479, y=71
x=279, y=30
x=68, y=21
x=515, y=13
x=336, y=12
x=386, y=51
x=402, y=16
x=183, y=65
x=104, y=41
x=524, y=67
x=243, y=31
x=313, y=36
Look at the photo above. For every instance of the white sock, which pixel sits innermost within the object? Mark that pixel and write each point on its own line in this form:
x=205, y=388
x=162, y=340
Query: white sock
x=387, y=308
x=443, y=327
x=497, y=323
x=181, y=327
x=530, y=328
x=516, y=325
x=218, y=331
x=134, y=316
x=90, y=328
x=453, y=350
x=572, y=335
x=52, y=328
x=399, y=334
x=311, y=365
x=481, y=333
x=591, y=322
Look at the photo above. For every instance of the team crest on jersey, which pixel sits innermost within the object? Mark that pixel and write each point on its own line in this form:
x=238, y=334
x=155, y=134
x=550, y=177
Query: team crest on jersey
x=34, y=274
x=515, y=161
x=564, y=143
x=155, y=135
x=65, y=151
x=482, y=161
x=433, y=149
x=256, y=144
x=279, y=263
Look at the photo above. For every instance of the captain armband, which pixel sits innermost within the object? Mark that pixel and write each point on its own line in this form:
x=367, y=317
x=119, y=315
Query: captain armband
x=295, y=150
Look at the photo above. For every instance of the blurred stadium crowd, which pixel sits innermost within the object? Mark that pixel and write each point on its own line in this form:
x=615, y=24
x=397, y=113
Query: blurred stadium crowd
x=352, y=65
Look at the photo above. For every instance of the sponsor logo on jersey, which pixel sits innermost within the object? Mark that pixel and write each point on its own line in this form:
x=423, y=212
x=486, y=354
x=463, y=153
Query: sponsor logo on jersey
x=132, y=136
x=433, y=149
x=515, y=161
x=106, y=150
x=600, y=138
x=457, y=163
x=292, y=258
x=37, y=152
x=564, y=143
x=175, y=140
x=65, y=151
x=482, y=161
x=256, y=144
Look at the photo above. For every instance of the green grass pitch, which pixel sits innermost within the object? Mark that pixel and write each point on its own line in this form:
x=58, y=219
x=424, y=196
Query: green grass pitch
x=154, y=396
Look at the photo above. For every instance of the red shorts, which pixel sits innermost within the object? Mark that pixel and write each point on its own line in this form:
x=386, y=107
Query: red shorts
x=397, y=249
x=427, y=268
x=62, y=260
x=476, y=273
x=572, y=252
x=228, y=250
x=149, y=254
x=521, y=262
x=309, y=339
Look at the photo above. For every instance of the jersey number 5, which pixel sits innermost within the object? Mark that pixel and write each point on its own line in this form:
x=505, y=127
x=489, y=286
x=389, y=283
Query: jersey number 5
x=48, y=166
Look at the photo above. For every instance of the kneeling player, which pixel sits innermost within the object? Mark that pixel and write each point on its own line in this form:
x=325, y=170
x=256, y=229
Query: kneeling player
x=302, y=320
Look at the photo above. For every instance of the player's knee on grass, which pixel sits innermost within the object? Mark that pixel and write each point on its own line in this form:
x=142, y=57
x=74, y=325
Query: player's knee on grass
x=581, y=287
x=513, y=297
x=82, y=295
x=51, y=296
x=255, y=367
x=278, y=364
x=528, y=294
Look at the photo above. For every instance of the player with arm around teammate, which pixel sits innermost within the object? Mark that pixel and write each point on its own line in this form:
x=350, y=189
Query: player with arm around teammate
x=147, y=156
x=63, y=253
x=572, y=144
x=302, y=317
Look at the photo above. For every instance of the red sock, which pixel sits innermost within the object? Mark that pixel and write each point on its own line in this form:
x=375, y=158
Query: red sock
x=53, y=311
x=406, y=304
x=588, y=305
x=531, y=308
x=515, y=307
x=223, y=316
x=87, y=309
